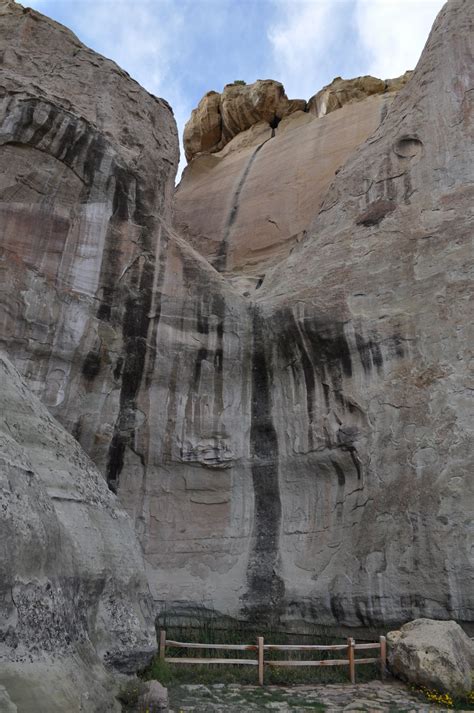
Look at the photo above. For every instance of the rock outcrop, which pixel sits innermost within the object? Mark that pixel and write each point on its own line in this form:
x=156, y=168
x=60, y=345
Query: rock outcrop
x=245, y=207
x=220, y=117
x=299, y=453
x=73, y=591
x=435, y=654
x=346, y=91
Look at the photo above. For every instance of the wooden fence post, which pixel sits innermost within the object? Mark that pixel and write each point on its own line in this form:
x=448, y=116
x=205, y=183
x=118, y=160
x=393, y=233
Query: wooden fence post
x=260, y=660
x=162, y=644
x=351, y=657
x=383, y=656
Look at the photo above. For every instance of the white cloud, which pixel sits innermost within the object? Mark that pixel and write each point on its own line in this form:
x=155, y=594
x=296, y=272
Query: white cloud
x=141, y=38
x=313, y=41
x=135, y=35
x=394, y=32
x=300, y=39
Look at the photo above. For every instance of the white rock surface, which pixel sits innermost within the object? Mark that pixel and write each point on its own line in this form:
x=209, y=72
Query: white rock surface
x=435, y=654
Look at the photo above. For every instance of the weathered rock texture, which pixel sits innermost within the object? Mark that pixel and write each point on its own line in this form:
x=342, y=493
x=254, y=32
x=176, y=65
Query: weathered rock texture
x=301, y=454
x=73, y=588
x=370, y=322
x=435, y=654
x=346, y=91
x=247, y=212
x=247, y=206
x=220, y=117
x=359, y=421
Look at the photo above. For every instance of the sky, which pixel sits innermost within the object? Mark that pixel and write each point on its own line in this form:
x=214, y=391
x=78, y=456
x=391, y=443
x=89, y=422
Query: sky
x=181, y=49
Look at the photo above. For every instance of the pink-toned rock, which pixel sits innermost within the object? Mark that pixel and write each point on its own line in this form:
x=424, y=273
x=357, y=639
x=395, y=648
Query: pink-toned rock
x=220, y=117
x=203, y=131
x=246, y=207
x=346, y=91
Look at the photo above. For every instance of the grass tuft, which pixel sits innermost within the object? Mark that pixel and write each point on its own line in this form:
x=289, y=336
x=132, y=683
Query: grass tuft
x=209, y=630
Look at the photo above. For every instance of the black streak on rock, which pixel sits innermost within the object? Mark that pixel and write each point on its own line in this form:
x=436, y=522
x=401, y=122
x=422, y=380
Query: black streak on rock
x=91, y=365
x=265, y=587
x=135, y=325
x=220, y=263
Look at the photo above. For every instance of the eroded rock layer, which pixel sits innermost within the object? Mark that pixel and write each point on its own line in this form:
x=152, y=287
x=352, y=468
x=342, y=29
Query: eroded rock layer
x=220, y=117
x=301, y=453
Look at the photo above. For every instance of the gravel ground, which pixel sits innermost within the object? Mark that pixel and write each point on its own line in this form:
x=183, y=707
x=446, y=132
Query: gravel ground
x=371, y=697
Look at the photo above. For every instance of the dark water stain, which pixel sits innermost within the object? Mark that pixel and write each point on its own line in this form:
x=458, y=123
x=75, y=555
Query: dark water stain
x=320, y=347
x=370, y=353
x=83, y=149
x=91, y=365
x=341, y=478
x=266, y=590
x=157, y=306
x=220, y=262
x=118, y=368
x=135, y=326
x=207, y=306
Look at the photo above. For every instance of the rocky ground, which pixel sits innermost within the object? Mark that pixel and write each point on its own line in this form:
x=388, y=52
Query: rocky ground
x=234, y=698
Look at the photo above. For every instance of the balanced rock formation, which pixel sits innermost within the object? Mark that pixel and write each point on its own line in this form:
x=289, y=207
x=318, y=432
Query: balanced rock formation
x=299, y=453
x=435, y=654
x=73, y=590
x=220, y=117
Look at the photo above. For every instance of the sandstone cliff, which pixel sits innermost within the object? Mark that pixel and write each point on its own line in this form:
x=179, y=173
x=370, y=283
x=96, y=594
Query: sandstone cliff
x=298, y=451
x=359, y=428
x=247, y=206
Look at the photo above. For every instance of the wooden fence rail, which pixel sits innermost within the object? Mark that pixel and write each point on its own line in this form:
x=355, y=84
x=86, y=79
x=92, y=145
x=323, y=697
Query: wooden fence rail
x=351, y=661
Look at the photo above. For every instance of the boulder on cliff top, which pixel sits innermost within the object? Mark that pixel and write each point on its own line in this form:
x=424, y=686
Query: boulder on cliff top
x=345, y=91
x=435, y=654
x=220, y=117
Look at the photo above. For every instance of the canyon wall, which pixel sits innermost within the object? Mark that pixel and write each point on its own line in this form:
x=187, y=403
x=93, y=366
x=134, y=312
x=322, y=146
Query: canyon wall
x=361, y=433
x=276, y=385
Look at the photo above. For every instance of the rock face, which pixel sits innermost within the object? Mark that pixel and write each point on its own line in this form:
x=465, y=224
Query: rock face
x=359, y=428
x=245, y=207
x=296, y=454
x=73, y=591
x=346, y=91
x=220, y=117
x=435, y=654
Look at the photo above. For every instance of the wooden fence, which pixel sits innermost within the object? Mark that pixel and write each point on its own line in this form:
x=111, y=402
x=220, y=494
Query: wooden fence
x=260, y=648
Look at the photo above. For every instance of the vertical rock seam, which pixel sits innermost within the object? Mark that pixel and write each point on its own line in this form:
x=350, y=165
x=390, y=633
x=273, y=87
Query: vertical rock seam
x=220, y=263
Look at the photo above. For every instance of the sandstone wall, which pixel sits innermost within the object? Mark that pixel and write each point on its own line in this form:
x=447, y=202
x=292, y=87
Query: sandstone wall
x=248, y=205
x=300, y=453
x=360, y=418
